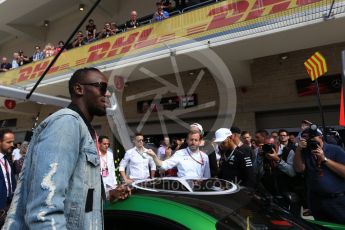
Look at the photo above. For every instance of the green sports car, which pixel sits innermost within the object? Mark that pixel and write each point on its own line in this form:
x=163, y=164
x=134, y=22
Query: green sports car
x=175, y=203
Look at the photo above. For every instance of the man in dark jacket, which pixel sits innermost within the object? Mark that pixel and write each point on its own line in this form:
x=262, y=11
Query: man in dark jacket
x=7, y=180
x=235, y=165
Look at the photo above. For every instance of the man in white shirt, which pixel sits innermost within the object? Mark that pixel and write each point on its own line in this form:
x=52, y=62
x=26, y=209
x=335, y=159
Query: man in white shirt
x=7, y=180
x=190, y=162
x=16, y=152
x=107, y=164
x=136, y=162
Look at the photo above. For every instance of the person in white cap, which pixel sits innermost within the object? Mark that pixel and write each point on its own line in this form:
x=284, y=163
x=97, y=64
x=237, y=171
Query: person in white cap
x=195, y=127
x=190, y=162
x=206, y=147
x=235, y=165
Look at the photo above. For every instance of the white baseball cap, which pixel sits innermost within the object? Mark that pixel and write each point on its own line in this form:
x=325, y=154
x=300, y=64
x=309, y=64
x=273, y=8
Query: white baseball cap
x=197, y=125
x=221, y=134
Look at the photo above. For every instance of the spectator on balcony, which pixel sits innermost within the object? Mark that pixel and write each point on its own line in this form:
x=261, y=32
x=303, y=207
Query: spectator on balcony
x=114, y=28
x=168, y=5
x=79, y=40
x=16, y=60
x=89, y=38
x=59, y=47
x=22, y=58
x=5, y=65
x=91, y=29
x=107, y=31
x=133, y=22
x=49, y=50
x=38, y=54
x=160, y=14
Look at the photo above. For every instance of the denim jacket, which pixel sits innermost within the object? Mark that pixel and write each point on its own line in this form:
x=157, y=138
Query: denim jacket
x=60, y=184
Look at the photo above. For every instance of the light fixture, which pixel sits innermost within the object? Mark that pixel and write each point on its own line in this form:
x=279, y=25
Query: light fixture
x=46, y=23
x=81, y=7
x=283, y=57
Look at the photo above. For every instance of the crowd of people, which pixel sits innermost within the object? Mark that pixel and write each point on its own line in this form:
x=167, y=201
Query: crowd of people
x=63, y=167
x=298, y=171
x=92, y=33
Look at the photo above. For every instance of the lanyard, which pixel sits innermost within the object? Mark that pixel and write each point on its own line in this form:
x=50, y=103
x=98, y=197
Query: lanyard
x=199, y=162
x=232, y=153
x=104, y=160
x=143, y=153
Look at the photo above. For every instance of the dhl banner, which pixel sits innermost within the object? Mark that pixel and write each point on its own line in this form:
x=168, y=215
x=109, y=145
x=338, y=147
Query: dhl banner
x=224, y=17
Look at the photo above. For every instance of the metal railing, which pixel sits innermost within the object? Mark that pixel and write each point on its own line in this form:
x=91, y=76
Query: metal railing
x=198, y=5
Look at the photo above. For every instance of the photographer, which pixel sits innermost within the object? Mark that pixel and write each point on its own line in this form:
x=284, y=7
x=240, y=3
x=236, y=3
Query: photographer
x=22, y=59
x=107, y=31
x=276, y=175
x=324, y=167
x=78, y=40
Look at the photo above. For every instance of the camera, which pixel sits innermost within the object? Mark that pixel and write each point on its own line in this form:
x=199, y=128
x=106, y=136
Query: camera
x=312, y=144
x=267, y=148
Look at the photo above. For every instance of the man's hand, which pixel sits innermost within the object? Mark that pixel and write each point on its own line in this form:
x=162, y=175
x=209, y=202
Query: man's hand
x=273, y=156
x=129, y=181
x=302, y=143
x=121, y=192
x=320, y=155
x=150, y=152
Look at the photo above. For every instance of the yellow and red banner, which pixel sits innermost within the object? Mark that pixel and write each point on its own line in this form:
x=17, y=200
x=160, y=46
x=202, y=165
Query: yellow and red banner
x=223, y=18
x=316, y=66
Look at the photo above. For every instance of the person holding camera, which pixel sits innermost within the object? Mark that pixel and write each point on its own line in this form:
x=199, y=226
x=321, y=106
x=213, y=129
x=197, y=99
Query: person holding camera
x=276, y=174
x=78, y=40
x=324, y=168
x=107, y=31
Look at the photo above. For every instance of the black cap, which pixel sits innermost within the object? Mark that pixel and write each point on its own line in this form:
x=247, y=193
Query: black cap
x=235, y=129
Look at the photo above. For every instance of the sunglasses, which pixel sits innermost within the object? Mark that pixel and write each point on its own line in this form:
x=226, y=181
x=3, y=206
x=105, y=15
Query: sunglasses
x=102, y=86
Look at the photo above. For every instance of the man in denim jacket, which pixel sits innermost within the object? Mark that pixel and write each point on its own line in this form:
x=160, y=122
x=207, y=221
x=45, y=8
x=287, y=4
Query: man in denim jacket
x=60, y=186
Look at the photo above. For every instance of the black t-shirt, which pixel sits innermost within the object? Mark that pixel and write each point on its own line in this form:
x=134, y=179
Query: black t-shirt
x=90, y=28
x=237, y=166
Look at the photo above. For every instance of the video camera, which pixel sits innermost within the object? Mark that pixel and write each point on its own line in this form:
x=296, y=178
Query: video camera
x=312, y=132
x=312, y=144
